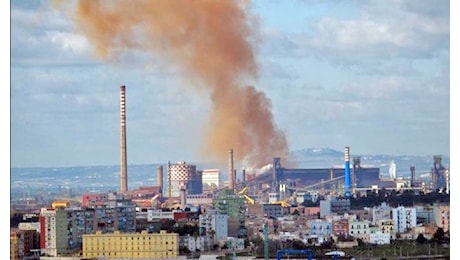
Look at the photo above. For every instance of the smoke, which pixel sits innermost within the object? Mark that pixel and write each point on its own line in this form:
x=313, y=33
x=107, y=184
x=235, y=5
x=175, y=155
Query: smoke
x=212, y=42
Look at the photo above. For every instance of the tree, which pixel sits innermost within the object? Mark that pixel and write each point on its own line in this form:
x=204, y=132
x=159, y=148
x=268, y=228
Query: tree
x=421, y=239
x=184, y=250
x=438, y=236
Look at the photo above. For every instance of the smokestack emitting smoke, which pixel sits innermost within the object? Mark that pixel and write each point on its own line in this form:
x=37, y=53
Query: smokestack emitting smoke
x=211, y=42
x=123, y=165
x=231, y=180
x=347, y=173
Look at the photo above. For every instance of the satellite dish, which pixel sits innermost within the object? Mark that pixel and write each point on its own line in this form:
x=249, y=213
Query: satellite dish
x=392, y=169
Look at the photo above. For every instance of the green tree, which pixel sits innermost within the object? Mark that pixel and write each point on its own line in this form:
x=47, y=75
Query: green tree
x=438, y=236
x=421, y=239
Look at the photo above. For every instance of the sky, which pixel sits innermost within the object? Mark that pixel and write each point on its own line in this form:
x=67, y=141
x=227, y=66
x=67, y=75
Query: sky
x=371, y=75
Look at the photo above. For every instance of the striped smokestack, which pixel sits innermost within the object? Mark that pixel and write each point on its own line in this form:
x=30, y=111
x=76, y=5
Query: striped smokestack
x=123, y=167
x=347, y=173
x=231, y=179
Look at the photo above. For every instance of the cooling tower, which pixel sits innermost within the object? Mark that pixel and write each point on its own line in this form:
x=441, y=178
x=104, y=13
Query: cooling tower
x=231, y=177
x=179, y=174
x=347, y=173
x=123, y=164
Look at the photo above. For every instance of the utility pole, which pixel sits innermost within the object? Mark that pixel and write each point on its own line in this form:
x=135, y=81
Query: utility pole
x=265, y=229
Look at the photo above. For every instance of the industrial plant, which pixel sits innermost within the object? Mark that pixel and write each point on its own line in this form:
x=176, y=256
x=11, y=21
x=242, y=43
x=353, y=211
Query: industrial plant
x=193, y=212
x=185, y=182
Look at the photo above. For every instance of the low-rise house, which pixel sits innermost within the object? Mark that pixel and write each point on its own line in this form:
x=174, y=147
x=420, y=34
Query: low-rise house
x=380, y=238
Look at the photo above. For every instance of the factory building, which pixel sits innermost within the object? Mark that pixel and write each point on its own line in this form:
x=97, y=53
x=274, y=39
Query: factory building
x=179, y=174
x=195, y=184
x=356, y=175
x=211, y=179
x=439, y=174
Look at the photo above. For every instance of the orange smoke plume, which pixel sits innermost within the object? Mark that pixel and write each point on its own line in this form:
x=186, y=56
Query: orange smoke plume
x=211, y=41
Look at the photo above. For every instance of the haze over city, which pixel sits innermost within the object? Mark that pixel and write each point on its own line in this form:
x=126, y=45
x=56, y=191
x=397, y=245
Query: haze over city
x=323, y=78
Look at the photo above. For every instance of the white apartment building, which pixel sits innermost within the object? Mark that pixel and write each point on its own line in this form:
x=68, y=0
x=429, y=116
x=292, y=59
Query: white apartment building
x=381, y=212
x=404, y=218
x=154, y=214
x=379, y=238
x=194, y=243
x=234, y=243
x=215, y=224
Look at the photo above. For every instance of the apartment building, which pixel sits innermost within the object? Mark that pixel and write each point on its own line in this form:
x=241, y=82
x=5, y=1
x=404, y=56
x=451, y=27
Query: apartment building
x=387, y=226
x=442, y=216
x=215, y=224
x=381, y=212
x=359, y=229
x=404, y=218
x=53, y=231
x=320, y=227
x=340, y=227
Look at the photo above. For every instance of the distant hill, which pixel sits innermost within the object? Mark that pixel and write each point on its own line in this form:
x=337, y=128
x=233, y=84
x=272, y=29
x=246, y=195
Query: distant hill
x=327, y=157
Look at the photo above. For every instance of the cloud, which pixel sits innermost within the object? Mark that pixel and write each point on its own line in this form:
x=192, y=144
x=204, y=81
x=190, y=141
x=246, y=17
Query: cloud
x=380, y=34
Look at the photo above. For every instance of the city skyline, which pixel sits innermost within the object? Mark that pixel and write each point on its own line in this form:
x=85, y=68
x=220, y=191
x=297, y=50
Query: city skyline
x=331, y=80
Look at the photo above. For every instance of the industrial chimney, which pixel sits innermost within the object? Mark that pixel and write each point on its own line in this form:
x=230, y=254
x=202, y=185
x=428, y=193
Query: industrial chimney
x=231, y=179
x=160, y=179
x=347, y=173
x=183, y=195
x=123, y=167
x=412, y=176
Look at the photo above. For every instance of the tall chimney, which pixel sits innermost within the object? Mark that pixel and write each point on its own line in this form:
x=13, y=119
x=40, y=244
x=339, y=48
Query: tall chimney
x=412, y=176
x=183, y=195
x=243, y=177
x=169, y=179
x=347, y=173
x=123, y=168
x=446, y=172
x=231, y=180
x=160, y=179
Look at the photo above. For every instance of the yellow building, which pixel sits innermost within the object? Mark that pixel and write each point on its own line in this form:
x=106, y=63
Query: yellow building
x=131, y=245
x=62, y=204
x=387, y=226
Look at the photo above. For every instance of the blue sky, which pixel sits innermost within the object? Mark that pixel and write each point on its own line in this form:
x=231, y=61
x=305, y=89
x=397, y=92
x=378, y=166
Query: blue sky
x=372, y=75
